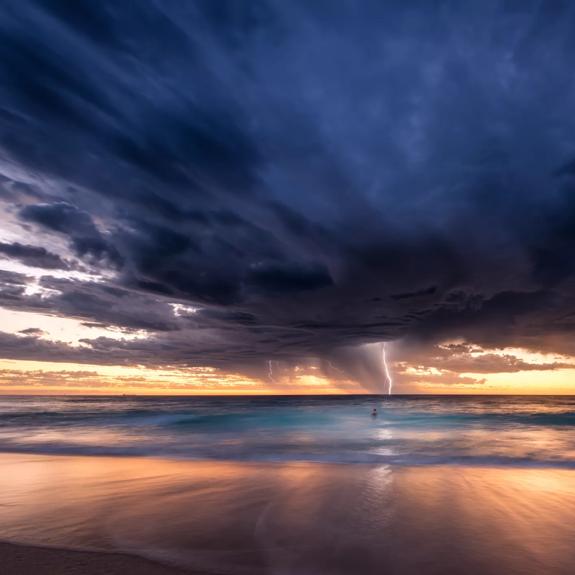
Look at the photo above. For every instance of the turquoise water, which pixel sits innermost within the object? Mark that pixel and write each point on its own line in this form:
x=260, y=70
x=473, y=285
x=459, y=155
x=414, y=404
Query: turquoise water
x=408, y=430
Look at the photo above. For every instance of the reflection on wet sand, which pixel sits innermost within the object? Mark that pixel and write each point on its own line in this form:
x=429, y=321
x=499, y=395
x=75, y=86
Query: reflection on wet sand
x=296, y=518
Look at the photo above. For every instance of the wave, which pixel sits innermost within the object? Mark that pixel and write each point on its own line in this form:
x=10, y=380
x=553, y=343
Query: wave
x=149, y=418
x=414, y=431
x=348, y=458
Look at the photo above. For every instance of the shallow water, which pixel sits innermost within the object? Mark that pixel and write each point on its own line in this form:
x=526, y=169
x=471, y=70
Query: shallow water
x=409, y=430
x=296, y=518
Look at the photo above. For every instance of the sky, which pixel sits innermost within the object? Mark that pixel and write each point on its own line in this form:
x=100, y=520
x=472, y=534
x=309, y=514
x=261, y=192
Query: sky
x=267, y=196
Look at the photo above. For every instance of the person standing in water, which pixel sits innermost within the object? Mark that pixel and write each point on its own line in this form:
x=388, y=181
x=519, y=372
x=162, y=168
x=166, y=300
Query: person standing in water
x=374, y=412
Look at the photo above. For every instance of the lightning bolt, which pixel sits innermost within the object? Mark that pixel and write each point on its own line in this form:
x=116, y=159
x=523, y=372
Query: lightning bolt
x=335, y=368
x=386, y=370
x=271, y=371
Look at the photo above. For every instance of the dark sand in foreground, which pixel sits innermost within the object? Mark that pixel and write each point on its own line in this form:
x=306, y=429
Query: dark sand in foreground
x=26, y=560
x=282, y=519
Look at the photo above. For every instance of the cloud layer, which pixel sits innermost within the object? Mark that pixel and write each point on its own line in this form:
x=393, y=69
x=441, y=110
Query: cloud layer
x=299, y=178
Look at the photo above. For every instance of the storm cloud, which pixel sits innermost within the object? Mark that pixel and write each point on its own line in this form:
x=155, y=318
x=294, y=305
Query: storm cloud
x=33, y=256
x=300, y=178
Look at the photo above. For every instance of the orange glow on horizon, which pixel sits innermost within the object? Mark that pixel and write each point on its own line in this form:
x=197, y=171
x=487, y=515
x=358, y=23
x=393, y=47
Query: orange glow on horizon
x=50, y=378
x=20, y=377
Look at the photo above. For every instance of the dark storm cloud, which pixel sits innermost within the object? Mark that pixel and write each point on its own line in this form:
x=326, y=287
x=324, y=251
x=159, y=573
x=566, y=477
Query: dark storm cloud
x=32, y=332
x=12, y=288
x=468, y=359
x=26, y=346
x=8, y=278
x=94, y=302
x=86, y=240
x=33, y=256
x=313, y=175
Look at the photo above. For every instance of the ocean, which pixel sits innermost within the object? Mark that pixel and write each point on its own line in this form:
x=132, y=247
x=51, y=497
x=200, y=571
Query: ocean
x=296, y=485
x=408, y=430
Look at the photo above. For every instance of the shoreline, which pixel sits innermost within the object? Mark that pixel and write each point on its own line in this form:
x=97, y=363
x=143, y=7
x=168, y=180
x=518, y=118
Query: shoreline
x=21, y=559
x=70, y=515
x=488, y=462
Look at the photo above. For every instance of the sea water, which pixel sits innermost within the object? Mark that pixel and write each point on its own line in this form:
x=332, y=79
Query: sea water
x=408, y=430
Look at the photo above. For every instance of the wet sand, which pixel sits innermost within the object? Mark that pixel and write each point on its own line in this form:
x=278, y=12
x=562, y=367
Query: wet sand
x=290, y=519
x=27, y=560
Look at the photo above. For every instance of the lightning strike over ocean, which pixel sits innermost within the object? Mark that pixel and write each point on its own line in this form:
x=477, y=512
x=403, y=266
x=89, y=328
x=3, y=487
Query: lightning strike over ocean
x=386, y=370
x=271, y=371
x=336, y=369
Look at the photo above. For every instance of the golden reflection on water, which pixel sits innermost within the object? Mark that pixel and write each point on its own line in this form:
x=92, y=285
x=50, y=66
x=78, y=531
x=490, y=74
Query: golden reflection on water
x=297, y=518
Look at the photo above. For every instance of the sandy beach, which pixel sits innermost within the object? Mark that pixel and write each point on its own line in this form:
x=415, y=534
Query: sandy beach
x=24, y=560
x=304, y=519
